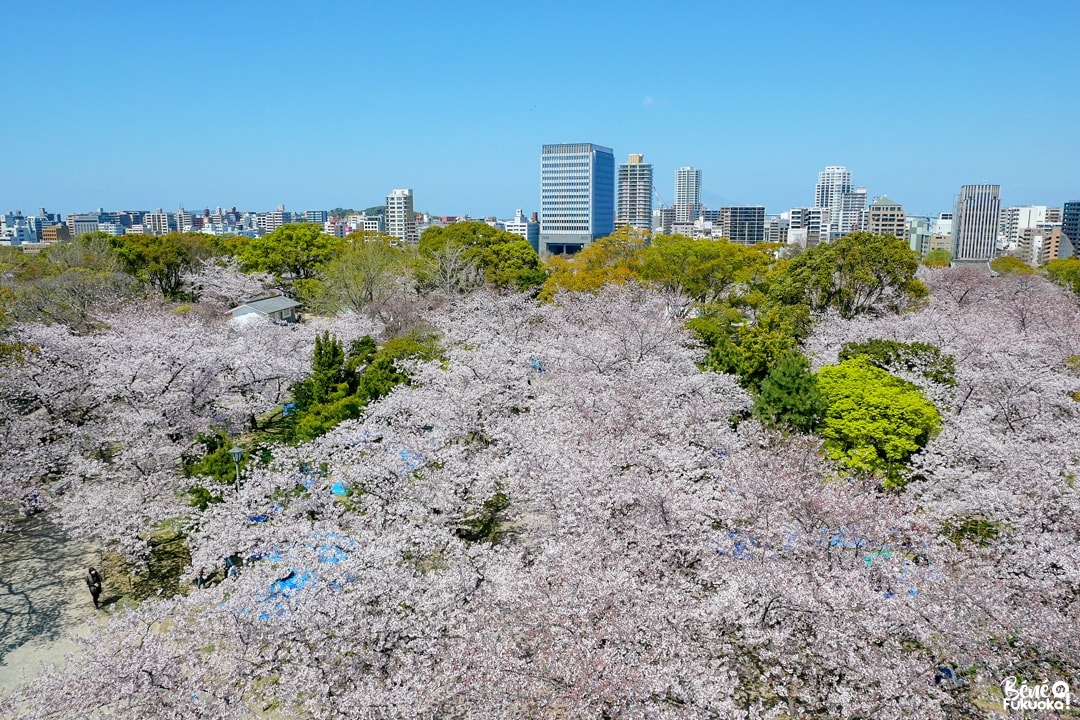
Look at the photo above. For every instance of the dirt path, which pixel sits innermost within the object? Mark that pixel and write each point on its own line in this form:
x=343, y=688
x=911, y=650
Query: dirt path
x=44, y=602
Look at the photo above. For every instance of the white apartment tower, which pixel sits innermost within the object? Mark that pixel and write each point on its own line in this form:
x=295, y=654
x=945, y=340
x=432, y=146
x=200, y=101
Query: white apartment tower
x=400, y=216
x=846, y=203
x=635, y=186
x=687, y=194
x=975, y=223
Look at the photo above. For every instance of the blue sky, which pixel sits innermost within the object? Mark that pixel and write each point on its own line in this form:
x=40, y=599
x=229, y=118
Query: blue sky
x=324, y=104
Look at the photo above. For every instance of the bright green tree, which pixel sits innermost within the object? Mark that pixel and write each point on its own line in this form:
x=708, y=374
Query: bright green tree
x=294, y=251
x=1009, y=265
x=859, y=273
x=939, y=257
x=1065, y=272
x=873, y=421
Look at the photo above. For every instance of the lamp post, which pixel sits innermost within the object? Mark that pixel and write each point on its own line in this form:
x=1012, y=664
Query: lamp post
x=237, y=455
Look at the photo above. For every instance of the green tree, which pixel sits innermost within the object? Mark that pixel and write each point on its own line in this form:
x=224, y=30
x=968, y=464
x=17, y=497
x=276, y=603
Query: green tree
x=615, y=259
x=704, y=269
x=507, y=260
x=789, y=397
x=873, y=421
x=1065, y=272
x=294, y=251
x=859, y=273
x=939, y=257
x=372, y=269
x=746, y=348
x=162, y=262
x=1009, y=265
x=891, y=355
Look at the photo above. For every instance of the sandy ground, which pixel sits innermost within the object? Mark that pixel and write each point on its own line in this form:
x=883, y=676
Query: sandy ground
x=44, y=602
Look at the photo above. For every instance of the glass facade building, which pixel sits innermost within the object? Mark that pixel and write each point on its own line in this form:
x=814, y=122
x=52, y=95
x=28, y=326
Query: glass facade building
x=1070, y=225
x=577, y=196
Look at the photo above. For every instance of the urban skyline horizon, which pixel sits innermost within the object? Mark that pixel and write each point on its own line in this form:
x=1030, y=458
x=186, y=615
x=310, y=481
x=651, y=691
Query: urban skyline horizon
x=335, y=104
x=506, y=213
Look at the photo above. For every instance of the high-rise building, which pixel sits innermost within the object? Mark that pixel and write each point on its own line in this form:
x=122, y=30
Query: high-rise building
x=315, y=216
x=846, y=203
x=1070, y=225
x=400, y=216
x=687, y=194
x=156, y=223
x=743, y=224
x=886, y=217
x=577, y=196
x=635, y=194
x=975, y=223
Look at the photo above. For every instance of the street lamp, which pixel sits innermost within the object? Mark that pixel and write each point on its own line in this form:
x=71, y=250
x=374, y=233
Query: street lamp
x=237, y=455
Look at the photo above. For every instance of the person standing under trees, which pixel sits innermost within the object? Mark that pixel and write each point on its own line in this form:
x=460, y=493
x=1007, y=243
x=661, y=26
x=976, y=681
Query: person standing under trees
x=93, y=581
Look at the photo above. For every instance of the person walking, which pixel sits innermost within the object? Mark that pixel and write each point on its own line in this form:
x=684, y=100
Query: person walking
x=93, y=581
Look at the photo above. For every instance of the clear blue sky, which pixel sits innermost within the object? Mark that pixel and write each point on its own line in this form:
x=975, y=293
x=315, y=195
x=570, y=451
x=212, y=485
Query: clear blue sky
x=323, y=104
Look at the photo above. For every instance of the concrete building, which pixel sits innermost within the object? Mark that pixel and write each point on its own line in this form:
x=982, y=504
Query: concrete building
x=1014, y=220
x=743, y=224
x=112, y=228
x=55, y=234
x=276, y=218
x=82, y=223
x=316, y=216
x=528, y=228
x=975, y=223
x=156, y=223
x=917, y=231
x=16, y=229
x=809, y=226
x=1039, y=245
x=183, y=221
x=663, y=219
x=687, y=194
x=886, y=217
x=577, y=196
x=635, y=191
x=400, y=215
x=776, y=228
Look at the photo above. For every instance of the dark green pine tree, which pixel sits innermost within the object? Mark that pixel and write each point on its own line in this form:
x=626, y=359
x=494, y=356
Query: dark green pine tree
x=789, y=398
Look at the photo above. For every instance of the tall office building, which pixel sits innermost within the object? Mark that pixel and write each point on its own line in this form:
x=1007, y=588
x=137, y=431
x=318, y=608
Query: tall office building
x=687, y=194
x=1070, y=225
x=975, y=223
x=400, y=216
x=577, y=196
x=744, y=225
x=886, y=217
x=846, y=203
x=635, y=194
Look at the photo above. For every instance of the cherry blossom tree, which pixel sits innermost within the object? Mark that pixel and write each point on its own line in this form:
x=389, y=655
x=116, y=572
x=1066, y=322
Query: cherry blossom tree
x=565, y=517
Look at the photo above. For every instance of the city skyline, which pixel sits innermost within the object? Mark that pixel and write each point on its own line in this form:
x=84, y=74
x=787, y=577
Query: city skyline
x=287, y=105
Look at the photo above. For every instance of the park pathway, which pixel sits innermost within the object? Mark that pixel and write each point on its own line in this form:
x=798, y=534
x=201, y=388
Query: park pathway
x=44, y=602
